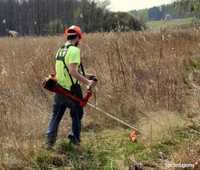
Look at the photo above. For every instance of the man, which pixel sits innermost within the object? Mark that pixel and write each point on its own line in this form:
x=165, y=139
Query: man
x=68, y=76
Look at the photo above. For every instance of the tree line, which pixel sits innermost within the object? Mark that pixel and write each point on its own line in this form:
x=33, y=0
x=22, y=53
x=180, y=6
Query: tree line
x=49, y=17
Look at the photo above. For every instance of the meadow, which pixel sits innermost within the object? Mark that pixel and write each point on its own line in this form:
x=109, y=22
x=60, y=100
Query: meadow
x=173, y=23
x=149, y=79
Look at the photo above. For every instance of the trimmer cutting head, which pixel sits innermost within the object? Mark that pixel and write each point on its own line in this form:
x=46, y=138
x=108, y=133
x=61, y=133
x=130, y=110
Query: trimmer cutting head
x=133, y=136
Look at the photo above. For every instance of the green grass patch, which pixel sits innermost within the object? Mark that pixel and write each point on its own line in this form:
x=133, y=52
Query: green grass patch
x=156, y=25
x=104, y=151
x=194, y=63
x=77, y=158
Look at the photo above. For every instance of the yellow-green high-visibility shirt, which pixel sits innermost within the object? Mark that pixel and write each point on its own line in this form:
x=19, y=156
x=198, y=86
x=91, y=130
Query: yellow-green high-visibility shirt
x=71, y=55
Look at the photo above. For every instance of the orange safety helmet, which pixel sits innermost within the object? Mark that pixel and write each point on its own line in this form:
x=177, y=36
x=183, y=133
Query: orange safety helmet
x=74, y=30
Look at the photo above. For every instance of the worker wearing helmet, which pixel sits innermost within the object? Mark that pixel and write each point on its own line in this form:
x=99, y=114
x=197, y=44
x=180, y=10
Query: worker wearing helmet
x=67, y=74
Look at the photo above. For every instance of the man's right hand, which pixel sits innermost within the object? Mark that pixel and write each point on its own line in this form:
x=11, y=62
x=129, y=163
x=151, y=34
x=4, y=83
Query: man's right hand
x=91, y=84
x=73, y=71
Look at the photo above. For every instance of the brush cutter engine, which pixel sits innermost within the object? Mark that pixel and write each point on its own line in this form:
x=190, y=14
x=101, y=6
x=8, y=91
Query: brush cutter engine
x=50, y=83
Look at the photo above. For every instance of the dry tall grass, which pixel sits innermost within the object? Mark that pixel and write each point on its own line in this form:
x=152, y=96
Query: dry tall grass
x=138, y=72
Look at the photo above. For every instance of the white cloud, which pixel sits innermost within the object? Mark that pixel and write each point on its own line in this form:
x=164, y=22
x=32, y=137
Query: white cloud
x=126, y=5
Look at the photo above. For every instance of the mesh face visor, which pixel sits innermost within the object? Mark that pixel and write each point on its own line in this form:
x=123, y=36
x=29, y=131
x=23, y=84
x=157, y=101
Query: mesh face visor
x=71, y=34
x=74, y=30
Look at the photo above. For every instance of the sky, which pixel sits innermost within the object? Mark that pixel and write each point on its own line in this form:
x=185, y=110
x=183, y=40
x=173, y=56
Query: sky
x=127, y=5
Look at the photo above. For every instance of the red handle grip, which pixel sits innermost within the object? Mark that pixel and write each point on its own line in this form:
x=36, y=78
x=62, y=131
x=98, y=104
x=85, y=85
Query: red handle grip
x=86, y=98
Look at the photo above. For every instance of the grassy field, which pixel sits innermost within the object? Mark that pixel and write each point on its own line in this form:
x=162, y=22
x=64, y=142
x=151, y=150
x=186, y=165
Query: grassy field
x=157, y=25
x=151, y=80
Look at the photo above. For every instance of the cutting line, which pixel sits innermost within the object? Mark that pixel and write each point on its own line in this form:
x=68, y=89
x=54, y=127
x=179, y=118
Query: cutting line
x=112, y=117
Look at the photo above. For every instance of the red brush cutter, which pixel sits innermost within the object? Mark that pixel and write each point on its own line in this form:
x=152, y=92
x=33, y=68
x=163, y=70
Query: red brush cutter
x=50, y=83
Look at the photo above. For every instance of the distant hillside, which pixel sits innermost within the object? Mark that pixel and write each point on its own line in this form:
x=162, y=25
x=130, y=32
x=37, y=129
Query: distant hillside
x=173, y=23
x=178, y=9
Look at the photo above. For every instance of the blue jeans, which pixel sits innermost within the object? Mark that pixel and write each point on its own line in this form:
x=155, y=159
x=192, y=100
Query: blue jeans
x=76, y=111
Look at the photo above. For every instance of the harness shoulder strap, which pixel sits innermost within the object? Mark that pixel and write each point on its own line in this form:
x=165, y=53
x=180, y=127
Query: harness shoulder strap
x=62, y=58
x=82, y=69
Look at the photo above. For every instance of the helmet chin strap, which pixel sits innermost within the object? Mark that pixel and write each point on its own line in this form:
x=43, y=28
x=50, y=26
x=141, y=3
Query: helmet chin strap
x=77, y=43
